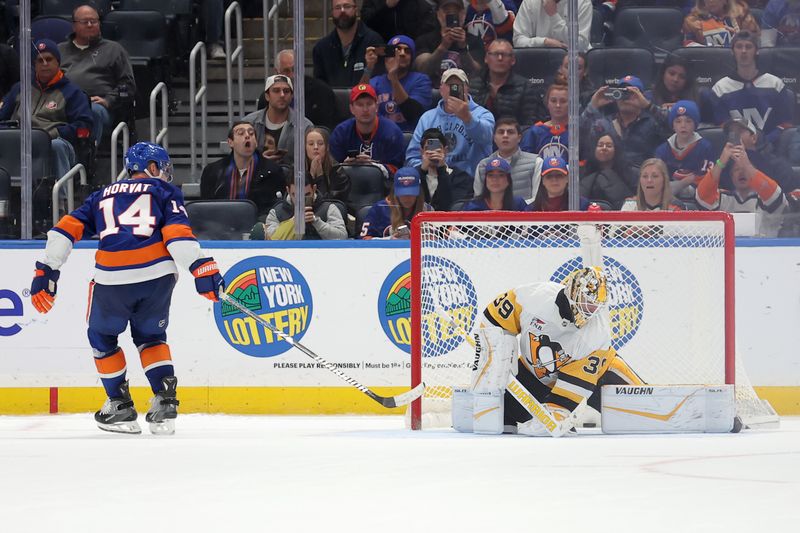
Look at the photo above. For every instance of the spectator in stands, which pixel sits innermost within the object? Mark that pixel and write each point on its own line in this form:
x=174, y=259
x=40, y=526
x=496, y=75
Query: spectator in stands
x=391, y=217
x=243, y=174
x=526, y=168
x=212, y=16
x=367, y=138
x=331, y=182
x=58, y=106
x=9, y=68
x=553, y=192
x=673, y=83
x=715, y=22
x=497, y=190
x=491, y=19
x=606, y=176
x=319, y=97
x=686, y=154
x=398, y=17
x=780, y=24
x=450, y=45
x=442, y=186
x=100, y=67
x=279, y=119
x=763, y=155
x=757, y=96
x=752, y=192
x=339, y=56
x=403, y=93
x=585, y=87
x=324, y=217
x=551, y=138
x=467, y=126
x=653, y=192
x=637, y=126
x=503, y=92
x=543, y=23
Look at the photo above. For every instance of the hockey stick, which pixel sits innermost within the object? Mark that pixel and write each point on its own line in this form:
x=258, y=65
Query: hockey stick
x=388, y=402
x=517, y=390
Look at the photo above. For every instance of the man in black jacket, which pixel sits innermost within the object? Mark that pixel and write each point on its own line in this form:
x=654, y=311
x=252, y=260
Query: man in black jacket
x=443, y=186
x=339, y=56
x=398, y=17
x=503, y=92
x=243, y=174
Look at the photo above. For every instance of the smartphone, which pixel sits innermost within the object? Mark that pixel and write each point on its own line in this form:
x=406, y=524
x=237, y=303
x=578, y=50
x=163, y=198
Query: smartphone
x=402, y=230
x=389, y=50
x=455, y=90
x=353, y=153
x=451, y=21
x=735, y=138
x=309, y=200
x=433, y=144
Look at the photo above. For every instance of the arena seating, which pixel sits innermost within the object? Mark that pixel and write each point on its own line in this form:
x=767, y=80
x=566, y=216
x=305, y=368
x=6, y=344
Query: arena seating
x=657, y=29
x=221, y=219
x=607, y=65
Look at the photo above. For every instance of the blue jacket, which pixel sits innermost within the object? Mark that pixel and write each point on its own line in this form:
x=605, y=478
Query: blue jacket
x=385, y=147
x=405, y=115
x=467, y=144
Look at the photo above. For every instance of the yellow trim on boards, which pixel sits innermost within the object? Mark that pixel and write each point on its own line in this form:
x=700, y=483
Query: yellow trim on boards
x=267, y=400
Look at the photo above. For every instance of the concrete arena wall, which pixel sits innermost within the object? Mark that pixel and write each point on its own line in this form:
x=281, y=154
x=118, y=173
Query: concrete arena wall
x=341, y=299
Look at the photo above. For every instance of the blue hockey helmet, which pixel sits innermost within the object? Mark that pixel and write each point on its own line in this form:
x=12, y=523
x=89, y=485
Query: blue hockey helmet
x=142, y=153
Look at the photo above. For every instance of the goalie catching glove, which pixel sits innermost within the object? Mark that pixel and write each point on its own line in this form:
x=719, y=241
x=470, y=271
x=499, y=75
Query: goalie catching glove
x=207, y=279
x=44, y=287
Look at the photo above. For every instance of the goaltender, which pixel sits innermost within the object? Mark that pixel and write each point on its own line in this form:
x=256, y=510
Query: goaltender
x=563, y=335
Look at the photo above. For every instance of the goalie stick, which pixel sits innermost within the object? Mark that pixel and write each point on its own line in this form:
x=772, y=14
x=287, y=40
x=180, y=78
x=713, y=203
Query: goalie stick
x=388, y=402
x=525, y=399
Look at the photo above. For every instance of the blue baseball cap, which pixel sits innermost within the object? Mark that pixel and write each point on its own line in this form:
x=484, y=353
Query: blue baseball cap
x=554, y=163
x=498, y=163
x=633, y=81
x=406, y=182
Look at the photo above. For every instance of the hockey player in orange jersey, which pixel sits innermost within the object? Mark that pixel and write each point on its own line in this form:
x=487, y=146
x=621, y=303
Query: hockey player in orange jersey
x=144, y=231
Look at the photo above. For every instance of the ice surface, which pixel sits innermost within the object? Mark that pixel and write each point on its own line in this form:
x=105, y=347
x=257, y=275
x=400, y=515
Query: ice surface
x=369, y=474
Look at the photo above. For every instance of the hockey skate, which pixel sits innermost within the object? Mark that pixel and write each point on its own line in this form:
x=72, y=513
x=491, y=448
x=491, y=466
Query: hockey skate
x=118, y=414
x=164, y=408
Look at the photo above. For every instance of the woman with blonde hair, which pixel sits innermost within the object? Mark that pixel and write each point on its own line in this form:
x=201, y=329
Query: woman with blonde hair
x=331, y=182
x=715, y=22
x=653, y=192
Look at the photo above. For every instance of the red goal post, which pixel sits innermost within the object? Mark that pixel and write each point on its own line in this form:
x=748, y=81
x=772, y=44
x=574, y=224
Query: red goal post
x=671, y=286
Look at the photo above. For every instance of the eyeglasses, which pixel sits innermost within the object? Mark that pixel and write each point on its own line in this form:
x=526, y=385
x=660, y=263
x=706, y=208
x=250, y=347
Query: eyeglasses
x=88, y=22
x=500, y=55
x=344, y=7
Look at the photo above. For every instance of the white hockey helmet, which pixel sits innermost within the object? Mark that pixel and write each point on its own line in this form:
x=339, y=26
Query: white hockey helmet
x=587, y=292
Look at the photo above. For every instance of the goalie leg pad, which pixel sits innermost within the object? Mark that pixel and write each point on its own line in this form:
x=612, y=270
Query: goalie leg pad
x=495, y=359
x=487, y=414
x=462, y=410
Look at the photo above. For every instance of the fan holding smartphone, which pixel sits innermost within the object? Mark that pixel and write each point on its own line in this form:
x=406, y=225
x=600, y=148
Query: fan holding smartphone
x=450, y=45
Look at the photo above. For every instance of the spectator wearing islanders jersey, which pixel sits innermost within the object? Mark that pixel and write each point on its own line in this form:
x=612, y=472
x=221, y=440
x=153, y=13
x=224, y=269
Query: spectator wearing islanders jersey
x=367, y=138
x=144, y=233
x=780, y=23
x=403, y=93
x=551, y=138
x=748, y=93
x=391, y=217
x=715, y=22
x=686, y=154
x=491, y=19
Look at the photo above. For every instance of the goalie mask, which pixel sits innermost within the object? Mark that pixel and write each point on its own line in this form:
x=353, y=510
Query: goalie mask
x=586, y=291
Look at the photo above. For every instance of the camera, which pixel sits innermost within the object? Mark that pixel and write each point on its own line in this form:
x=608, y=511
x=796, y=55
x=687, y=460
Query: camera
x=451, y=21
x=455, y=90
x=616, y=93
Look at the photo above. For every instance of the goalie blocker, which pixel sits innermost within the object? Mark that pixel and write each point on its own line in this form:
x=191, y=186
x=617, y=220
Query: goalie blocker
x=669, y=409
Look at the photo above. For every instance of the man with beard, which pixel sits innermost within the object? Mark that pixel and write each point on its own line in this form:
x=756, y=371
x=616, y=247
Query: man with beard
x=403, y=94
x=243, y=174
x=278, y=120
x=339, y=56
x=98, y=66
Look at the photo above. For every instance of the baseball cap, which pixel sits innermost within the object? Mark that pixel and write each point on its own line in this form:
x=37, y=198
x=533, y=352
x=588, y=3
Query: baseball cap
x=498, y=163
x=406, y=40
x=457, y=72
x=406, y=182
x=744, y=123
x=554, y=163
x=272, y=80
x=632, y=81
x=361, y=89
x=46, y=45
x=684, y=108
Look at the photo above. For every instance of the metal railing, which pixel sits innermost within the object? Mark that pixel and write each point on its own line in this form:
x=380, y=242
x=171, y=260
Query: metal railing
x=270, y=14
x=122, y=128
x=198, y=95
x=77, y=169
x=237, y=55
x=163, y=133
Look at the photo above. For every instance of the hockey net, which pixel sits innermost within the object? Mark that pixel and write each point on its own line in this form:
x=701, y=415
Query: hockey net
x=670, y=283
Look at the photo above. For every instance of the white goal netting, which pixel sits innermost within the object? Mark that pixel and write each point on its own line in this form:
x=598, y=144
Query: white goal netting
x=670, y=282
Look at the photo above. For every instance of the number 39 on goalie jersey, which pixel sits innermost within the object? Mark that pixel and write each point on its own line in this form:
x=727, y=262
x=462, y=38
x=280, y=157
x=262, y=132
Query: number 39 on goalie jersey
x=567, y=359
